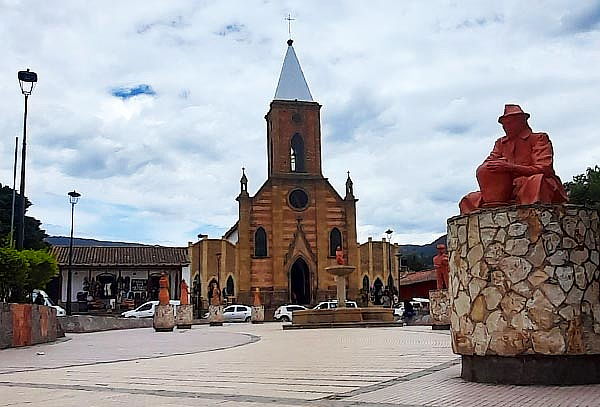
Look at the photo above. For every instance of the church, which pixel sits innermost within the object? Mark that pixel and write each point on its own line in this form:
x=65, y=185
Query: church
x=287, y=233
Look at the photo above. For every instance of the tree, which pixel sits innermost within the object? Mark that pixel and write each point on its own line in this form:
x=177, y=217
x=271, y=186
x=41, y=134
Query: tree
x=585, y=188
x=34, y=234
x=42, y=267
x=13, y=275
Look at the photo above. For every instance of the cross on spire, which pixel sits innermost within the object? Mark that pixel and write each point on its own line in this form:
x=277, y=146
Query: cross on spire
x=289, y=20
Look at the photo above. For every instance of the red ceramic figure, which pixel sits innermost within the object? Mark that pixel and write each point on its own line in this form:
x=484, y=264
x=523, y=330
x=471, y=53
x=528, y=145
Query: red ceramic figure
x=339, y=256
x=256, y=302
x=519, y=169
x=440, y=263
x=185, y=295
x=163, y=294
x=215, y=298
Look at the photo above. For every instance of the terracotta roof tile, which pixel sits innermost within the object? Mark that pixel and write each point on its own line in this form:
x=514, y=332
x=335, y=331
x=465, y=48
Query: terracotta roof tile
x=418, y=277
x=122, y=255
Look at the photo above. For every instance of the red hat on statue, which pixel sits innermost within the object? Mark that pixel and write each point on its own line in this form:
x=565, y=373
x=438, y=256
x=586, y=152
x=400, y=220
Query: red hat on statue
x=512, y=110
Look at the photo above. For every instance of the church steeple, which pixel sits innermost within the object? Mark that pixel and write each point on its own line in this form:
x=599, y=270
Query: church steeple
x=293, y=125
x=292, y=84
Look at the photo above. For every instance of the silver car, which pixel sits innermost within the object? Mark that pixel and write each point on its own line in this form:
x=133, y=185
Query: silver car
x=237, y=313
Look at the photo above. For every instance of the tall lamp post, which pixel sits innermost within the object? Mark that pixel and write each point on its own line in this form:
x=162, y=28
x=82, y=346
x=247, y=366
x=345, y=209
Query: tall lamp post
x=27, y=81
x=73, y=199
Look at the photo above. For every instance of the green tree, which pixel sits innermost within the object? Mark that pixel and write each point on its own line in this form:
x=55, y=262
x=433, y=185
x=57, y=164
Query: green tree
x=13, y=275
x=585, y=188
x=34, y=234
x=42, y=267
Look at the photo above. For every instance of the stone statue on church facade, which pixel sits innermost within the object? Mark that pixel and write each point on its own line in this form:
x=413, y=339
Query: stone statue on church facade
x=519, y=170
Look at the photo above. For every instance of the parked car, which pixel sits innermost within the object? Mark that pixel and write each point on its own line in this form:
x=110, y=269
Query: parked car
x=234, y=313
x=333, y=304
x=284, y=313
x=147, y=309
x=60, y=311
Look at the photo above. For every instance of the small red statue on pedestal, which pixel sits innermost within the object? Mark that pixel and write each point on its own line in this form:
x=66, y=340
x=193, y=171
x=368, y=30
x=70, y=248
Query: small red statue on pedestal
x=519, y=169
x=339, y=256
x=185, y=295
x=163, y=294
x=440, y=262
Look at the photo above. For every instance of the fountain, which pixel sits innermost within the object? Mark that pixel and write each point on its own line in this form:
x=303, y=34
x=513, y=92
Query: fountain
x=342, y=316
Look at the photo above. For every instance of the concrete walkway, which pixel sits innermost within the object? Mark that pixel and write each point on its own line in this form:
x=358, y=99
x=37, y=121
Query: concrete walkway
x=330, y=367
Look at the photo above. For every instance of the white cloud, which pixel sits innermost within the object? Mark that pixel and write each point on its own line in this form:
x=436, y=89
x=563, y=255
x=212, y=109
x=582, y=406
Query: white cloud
x=410, y=93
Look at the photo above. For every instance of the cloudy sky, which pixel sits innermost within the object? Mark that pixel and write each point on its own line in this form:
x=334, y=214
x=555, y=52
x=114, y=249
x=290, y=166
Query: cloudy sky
x=151, y=108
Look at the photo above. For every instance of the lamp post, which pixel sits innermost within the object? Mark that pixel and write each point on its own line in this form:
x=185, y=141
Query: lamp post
x=73, y=199
x=14, y=193
x=27, y=81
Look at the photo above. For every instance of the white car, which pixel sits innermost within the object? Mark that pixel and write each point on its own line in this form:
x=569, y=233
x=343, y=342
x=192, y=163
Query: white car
x=147, y=309
x=60, y=311
x=284, y=313
x=233, y=313
x=333, y=304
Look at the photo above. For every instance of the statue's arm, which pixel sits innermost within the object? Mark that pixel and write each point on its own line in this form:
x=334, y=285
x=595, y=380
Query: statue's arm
x=541, y=157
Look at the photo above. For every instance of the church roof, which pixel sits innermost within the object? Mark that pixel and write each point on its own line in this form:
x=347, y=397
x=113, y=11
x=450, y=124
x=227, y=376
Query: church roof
x=292, y=85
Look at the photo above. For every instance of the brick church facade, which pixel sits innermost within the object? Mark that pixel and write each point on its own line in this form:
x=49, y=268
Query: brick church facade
x=287, y=233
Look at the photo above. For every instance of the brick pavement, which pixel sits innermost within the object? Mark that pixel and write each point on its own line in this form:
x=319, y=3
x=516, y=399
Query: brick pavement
x=411, y=366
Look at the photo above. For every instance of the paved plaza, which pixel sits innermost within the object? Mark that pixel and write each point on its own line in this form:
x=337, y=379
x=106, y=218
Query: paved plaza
x=253, y=365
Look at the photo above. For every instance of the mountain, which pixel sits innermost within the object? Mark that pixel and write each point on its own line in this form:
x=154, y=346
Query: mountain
x=424, y=252
x=64, y=241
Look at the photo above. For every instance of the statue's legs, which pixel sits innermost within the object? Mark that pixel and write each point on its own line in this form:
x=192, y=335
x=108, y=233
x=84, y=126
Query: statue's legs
x=470, y=202
x=533, y=189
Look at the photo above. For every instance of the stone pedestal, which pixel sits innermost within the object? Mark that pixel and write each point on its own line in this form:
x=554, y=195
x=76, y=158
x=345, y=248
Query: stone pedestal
x=439, y=309
x=525, y=291
x=258, y=314
x=215, y=315
x=164, y=318
x=184, y=316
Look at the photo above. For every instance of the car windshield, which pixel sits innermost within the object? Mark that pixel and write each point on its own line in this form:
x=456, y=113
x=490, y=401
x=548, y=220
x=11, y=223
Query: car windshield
x=49, y=301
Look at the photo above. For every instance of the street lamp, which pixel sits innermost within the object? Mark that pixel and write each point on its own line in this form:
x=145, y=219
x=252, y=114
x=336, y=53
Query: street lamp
x=73, y=199
x=27, y=81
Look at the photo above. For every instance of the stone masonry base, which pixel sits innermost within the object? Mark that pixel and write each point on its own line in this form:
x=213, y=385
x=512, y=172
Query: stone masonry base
x=563, y=370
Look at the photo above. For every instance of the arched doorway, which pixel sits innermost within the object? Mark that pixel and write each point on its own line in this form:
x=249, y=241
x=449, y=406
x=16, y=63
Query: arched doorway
x=300, y=283
x=230, y=287
x=378, y=291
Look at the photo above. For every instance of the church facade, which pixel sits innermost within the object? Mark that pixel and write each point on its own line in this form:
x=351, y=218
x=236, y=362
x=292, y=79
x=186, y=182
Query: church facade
x=289, y=230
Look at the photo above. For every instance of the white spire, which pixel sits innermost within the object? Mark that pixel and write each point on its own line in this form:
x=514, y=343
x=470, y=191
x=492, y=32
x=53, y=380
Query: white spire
x=292, y=85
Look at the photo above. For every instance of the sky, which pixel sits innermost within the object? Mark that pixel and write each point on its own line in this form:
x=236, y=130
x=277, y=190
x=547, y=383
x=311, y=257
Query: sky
x=149, y=109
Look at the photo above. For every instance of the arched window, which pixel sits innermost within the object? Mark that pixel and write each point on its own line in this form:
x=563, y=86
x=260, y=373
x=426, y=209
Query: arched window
x=335, y=240
x=297, y=153
x=230, y=287
x=260, y=242
x=366, y=286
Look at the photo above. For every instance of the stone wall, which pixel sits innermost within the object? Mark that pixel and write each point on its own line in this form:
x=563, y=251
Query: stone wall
x=27, y=324
x=525, y=280
x=92, y=323
x=439, y=307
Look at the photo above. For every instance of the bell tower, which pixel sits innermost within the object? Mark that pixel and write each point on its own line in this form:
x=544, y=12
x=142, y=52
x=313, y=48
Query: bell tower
x=293, y=125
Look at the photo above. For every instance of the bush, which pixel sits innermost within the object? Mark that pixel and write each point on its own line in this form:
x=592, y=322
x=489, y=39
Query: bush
x=21, y=272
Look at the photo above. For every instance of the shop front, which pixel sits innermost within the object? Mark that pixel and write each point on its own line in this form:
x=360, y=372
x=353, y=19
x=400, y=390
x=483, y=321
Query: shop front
x=123, y=285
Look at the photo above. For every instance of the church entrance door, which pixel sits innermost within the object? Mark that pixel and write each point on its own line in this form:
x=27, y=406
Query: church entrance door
x=300, y=283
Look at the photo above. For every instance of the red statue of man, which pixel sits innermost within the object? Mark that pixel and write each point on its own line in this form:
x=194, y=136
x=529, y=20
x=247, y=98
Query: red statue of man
x=339, y=256
x=519, y=169
x=185, y=294
x=215, y=298
x=256, y=301
x=163, y=293
x=440, y=263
